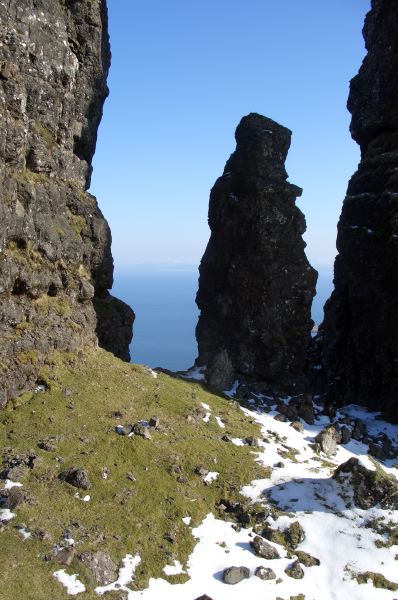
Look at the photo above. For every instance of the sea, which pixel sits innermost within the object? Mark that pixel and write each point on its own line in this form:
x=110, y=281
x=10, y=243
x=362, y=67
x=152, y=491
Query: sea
x=166, y=314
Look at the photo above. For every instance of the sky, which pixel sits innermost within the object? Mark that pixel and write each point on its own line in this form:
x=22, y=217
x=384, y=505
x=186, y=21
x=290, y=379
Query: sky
x=183, y=75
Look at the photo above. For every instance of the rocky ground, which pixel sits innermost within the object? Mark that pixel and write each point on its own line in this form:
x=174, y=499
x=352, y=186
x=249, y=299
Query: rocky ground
x=137, y=484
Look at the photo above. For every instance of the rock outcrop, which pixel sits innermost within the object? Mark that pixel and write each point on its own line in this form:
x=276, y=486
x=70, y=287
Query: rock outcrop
x=360, y=337
x=56, y=265
x=256, y=285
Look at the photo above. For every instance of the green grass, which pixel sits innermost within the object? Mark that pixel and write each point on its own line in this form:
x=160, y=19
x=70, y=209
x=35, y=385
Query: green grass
x=80, y=410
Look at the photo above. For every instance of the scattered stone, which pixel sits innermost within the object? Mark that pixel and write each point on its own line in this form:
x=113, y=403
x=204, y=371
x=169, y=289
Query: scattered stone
x=264, y=549
x=100, y=565
x=295, y=570
x=142, y=431
x=265, y=573
x=307, y=559
x=327, y=439
x=294, y=535
x=76, y=477
x=154, y=422
x=345, y=435
x=66, y=556
x=226, y=438
x=297, y=426
x=130, y=476
x=280, y=417
x=182, y=479
x=201, y=471
x=12, y=498
x=359, y=431
x=47, y=445
x=252, y=441
x=370, y=487
x=306, y=412
x=124, y=429
x=234, y=575
x=279, y=465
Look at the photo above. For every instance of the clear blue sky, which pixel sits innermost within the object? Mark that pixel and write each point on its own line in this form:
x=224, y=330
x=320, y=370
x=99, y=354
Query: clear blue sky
x=183, y=74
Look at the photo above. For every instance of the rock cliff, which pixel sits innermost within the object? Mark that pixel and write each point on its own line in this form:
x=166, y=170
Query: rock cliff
x=256, y=285
x=360, y=345
x=56, y=265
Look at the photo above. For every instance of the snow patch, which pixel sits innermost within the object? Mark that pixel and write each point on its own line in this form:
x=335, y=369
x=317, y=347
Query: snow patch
x=126, y=575
x=70, y=582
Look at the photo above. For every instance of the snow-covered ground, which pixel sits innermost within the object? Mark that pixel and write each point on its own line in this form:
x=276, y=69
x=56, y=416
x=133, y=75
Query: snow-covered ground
x=302, y=486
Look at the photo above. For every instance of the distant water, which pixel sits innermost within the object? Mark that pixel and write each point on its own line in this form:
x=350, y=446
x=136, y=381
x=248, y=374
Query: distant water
x=166, y=313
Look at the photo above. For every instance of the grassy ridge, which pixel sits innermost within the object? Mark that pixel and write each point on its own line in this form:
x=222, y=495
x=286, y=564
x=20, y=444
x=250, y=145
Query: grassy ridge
x=87, y=398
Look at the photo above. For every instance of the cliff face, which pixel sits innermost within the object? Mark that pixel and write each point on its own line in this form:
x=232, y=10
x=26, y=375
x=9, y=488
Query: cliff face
x=256, y=285
x=360, y=345
x=56, y=265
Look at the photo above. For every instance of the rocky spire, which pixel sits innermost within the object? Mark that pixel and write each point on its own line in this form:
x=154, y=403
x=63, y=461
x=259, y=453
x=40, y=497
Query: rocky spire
x=360, y=345
x=256, y=285
x=56, y=265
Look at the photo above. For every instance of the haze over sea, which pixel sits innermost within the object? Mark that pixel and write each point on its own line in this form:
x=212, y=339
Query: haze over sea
x=166, y=314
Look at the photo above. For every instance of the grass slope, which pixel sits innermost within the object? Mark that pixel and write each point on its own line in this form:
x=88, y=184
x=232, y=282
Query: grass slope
x=87, y=398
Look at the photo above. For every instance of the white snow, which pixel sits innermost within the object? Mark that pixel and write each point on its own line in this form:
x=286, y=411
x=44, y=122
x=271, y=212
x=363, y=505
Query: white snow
x=230, y=393
x=126, y=575
x=220, y=422
x=210, y=477
x=10, y=484
x=335, y=529
x=187, y=520
x=196, y=373
x=70, y=582
x=207, y=416
x=175, y=569
x=6, y=514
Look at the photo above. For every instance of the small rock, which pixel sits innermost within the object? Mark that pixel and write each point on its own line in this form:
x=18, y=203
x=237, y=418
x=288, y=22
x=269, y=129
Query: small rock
x=359, y=431
x=201, y=471
x=297, y=426
x=281, y=418
x=294, y=535
x=100, y=565
x=327, y=439
x=76, y=477
x=234, y=575
x=182, y=479
x=204, y=597
x=295, y=570
x=264, y=549
x=124, y=429
x=307, y=559
x=154, y=422
x=279, y=465
x=265, y=573
x=142, y=431
x=12, y=498
x=345, y=435
x=47, y=445
x=252, y=441
x=306, y=412
x=226, y=438
x=66, y=556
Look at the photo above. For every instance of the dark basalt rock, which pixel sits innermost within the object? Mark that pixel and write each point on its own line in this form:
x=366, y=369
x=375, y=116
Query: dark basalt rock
x=360, y=339
x=56, y=265
x=256, y=285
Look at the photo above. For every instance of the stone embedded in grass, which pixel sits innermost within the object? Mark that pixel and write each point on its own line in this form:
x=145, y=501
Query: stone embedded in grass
x=252, y=441
x=66, y=556
x=295, y=570
x=12, y=498
x=154, y=422
x=265, y=573
x=76, y=477
x=142, y=431
x=100, y=565
x=264, y=549
x=124, y=429
x=234, y=575
x=48, y=445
